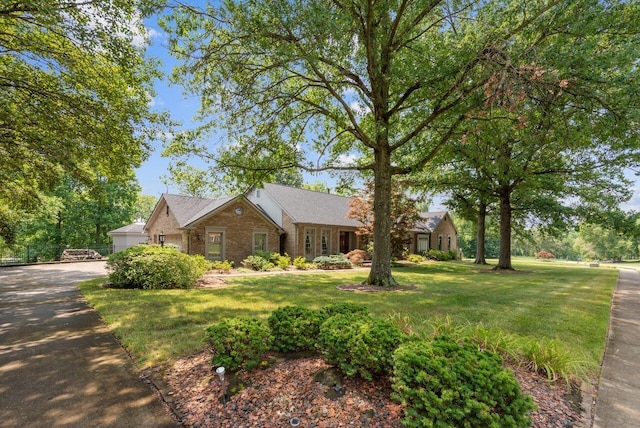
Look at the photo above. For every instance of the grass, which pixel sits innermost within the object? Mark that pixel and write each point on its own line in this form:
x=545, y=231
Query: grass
x=564, y=305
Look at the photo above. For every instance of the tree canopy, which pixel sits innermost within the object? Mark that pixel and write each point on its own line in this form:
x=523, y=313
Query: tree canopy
x=382, y=86
x=75, y=95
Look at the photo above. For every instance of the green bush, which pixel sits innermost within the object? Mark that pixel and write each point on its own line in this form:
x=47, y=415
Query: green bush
x=155, y=267
x=344, y=309
x=359, y=344
x=444, y=384
x=238, y=342
x=257, y=263
x=441, y=256
x=336, y=261
x=223, y=267
x=283, y=261
x=295, y=328
x=301, y=263
x=415, y=258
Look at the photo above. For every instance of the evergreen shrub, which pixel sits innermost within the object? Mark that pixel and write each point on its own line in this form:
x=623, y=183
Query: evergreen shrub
x=445, y=384
x=295, y=328
x=359, y=344
x=336, y=261
x=238, y=342
x=155, y=267
x=344, y=309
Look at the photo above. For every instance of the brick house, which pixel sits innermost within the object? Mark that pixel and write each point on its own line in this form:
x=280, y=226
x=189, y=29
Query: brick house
x=274, y=218
x=435, y=231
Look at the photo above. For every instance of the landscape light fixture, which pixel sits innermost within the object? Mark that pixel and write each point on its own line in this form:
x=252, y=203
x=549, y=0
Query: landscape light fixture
x=220, y=373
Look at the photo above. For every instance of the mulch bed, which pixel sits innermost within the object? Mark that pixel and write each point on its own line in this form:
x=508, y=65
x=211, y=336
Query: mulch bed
x=286, y=390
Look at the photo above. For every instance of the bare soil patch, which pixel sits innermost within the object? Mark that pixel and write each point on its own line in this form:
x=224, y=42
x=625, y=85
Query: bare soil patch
x=275, y=395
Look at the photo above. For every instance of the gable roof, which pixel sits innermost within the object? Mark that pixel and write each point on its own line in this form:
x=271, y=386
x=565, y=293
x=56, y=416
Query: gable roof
x=184, y=208
x=309, y=206
x=130, y=228
x=430, y=221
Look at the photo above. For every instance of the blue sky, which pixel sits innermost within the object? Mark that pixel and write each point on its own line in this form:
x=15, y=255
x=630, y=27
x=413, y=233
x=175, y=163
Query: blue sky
x=182, y=109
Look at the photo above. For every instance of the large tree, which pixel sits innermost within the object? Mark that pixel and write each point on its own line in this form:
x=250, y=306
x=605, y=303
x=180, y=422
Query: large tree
x=377, y=86
x=75, y=93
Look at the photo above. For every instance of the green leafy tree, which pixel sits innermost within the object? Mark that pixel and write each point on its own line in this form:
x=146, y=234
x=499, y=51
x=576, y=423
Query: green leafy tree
x=143, y=207
x=75, y=92
x=404, y=214
x=377, y=87
x=79, y=214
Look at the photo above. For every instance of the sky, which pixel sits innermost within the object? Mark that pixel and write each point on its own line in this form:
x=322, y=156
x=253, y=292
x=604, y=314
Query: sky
x=183, y=108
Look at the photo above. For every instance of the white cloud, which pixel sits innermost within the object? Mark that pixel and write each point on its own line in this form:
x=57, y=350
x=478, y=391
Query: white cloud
x=347, y=159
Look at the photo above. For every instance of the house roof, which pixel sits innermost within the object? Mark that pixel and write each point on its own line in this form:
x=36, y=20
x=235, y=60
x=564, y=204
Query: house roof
x=187, y=208
x=309, y=206
x=207, y=209
x=130, y=228
x=430, y=220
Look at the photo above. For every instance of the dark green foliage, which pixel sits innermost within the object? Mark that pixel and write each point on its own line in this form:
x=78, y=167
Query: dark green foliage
x=442, y=256
x=345, y=309
x=295, y=328
x=154, y=267
x=444, y=384
x=335, y=261
x=238, y=342
x=359, y=344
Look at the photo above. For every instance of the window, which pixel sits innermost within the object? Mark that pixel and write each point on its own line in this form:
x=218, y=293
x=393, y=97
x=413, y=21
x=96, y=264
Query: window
x=215, y=245
x=259, y=241
x=310, y=244
x=449, y=242
x=423, y=244
x=440, y=242
x=325, y=242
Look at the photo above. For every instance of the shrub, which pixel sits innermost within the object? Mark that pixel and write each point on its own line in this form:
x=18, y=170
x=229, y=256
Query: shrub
x=283, y=261
x=344, y=309
x=301, y=263
x=359, y=345
x=444, y=384
x=238, y=342
x=336, y=261
x=257, y=263
x=440, y=255
x=295, y=328
x=155, y=267
x=415, y=258
x=358, y=257
x=544, y=255
x=222, y=267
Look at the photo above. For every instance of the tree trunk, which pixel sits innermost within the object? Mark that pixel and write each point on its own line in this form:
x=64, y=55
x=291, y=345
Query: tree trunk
x=380, y=274
x=504, y=263
x=98, y=234
x=480, y=237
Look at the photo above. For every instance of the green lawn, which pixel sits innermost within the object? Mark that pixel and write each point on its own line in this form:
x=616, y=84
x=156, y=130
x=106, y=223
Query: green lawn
x=547, y=300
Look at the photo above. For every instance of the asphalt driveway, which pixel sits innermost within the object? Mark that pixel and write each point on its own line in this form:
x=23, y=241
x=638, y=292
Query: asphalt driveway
x=59, y=364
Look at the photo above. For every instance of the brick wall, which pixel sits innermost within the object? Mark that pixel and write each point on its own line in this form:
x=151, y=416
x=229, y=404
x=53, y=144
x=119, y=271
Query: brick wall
x=164, y=223
x=238, y=232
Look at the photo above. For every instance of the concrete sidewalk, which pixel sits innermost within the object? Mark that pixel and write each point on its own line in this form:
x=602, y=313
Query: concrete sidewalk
x=618, y=400
x=60, y=366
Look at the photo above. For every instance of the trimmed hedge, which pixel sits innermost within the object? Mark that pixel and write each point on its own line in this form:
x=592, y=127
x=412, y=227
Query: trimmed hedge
x=444, y=384
x=155, y=267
